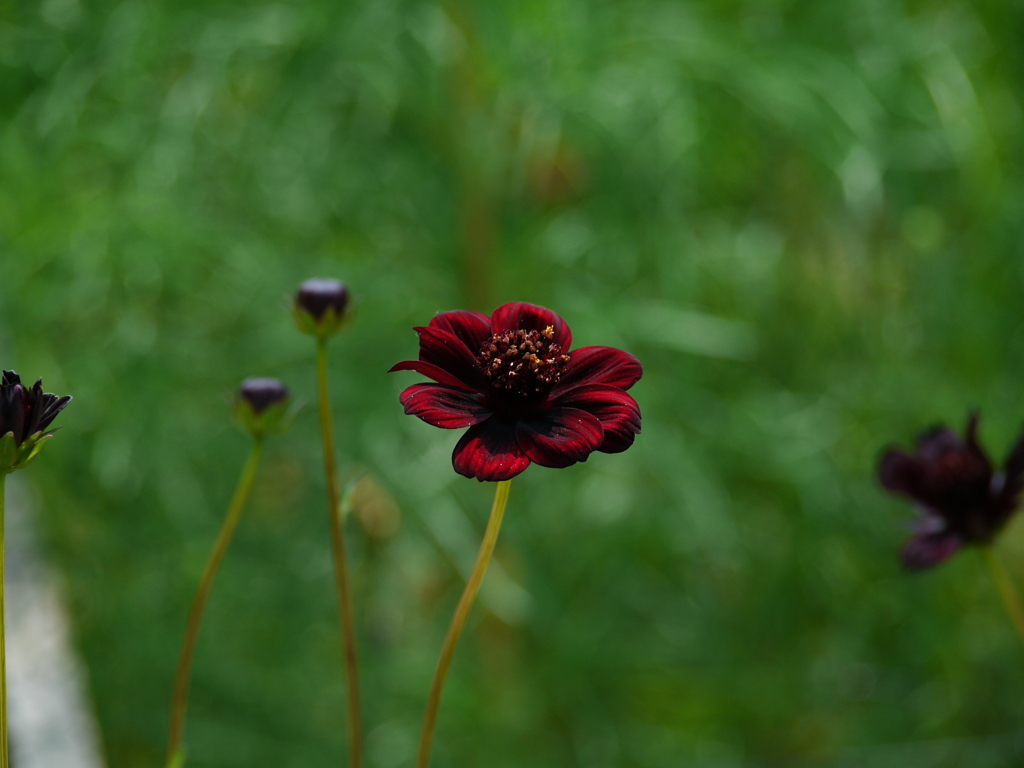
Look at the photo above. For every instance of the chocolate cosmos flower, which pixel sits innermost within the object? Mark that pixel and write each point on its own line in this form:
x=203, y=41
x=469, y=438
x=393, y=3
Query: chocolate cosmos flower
x=512, y=379
x=962, y=499
x=24, y=414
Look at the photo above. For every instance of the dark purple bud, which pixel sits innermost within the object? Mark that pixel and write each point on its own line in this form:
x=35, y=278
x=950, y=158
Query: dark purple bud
x=318, y=295
x=262, y=406
x=263, y=393
x=24, y=414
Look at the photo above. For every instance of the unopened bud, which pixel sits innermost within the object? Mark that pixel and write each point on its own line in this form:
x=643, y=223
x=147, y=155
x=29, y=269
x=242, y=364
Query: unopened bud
x=262, y=406
x=320, y=307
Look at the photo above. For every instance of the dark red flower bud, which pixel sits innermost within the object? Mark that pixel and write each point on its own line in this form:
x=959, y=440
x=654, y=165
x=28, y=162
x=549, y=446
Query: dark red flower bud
x=262, y=405
x=24, y=414
x=320, y=306
x=262, y=393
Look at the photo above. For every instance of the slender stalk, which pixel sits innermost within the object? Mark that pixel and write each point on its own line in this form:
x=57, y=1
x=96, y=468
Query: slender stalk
x=459, y=621
x=3, y=635
x=1006, y=589
x=345, y=610
x=188, y=647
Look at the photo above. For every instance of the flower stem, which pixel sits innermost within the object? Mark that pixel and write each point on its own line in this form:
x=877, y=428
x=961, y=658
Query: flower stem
x=3, y=635
x=459, y=621
x=345, y=610
x=188, y=647
x=1006, y=589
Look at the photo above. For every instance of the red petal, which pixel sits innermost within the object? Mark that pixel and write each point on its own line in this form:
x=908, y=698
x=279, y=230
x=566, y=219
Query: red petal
x=529, y=317
x=936, y=443
x=600, y=365
x=560, y=437
x=490, y=452
x=443, y=406
x=449, y=352
x=617, y=411
x=440, y=375
x=471, y=327
x=16, y=407
x=52, y=406
x=926, y=550
x=36, y=404
x=901, y=473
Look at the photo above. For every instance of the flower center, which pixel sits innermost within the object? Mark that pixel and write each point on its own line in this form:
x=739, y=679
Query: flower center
x=522, y=362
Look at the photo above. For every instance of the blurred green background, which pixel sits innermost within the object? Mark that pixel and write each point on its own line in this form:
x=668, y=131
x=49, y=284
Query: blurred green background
x=804, y=218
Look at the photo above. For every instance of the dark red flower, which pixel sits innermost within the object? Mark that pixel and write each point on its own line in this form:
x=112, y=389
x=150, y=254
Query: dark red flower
x=525, y=396
x=24, y=415
x=962, y=498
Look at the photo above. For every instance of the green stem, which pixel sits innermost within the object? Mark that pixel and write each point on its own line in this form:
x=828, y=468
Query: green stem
x=188, y=647
x=345, y=609
x=1006, y=589
x=459, y=621
x=3, y=635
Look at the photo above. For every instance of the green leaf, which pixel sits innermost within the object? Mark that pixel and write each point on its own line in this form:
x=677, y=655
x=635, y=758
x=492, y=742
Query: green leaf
x=30, y=449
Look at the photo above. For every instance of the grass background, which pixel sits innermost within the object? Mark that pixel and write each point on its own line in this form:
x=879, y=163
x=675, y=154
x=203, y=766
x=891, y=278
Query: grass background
x=805, y=219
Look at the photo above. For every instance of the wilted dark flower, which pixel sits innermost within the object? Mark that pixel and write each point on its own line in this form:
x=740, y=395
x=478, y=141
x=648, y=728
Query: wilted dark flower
x=512, y=379
x=261, y=406
x=24, y=414
x=962, y=499
x=319, y=308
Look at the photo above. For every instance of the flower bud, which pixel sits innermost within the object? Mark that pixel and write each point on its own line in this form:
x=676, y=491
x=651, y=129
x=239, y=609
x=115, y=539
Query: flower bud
x=320, y=307
x=262, y=406
x=24, y=414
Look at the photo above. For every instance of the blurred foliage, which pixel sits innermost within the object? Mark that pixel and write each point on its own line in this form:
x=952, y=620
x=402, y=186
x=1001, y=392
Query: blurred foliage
x=805, y=219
